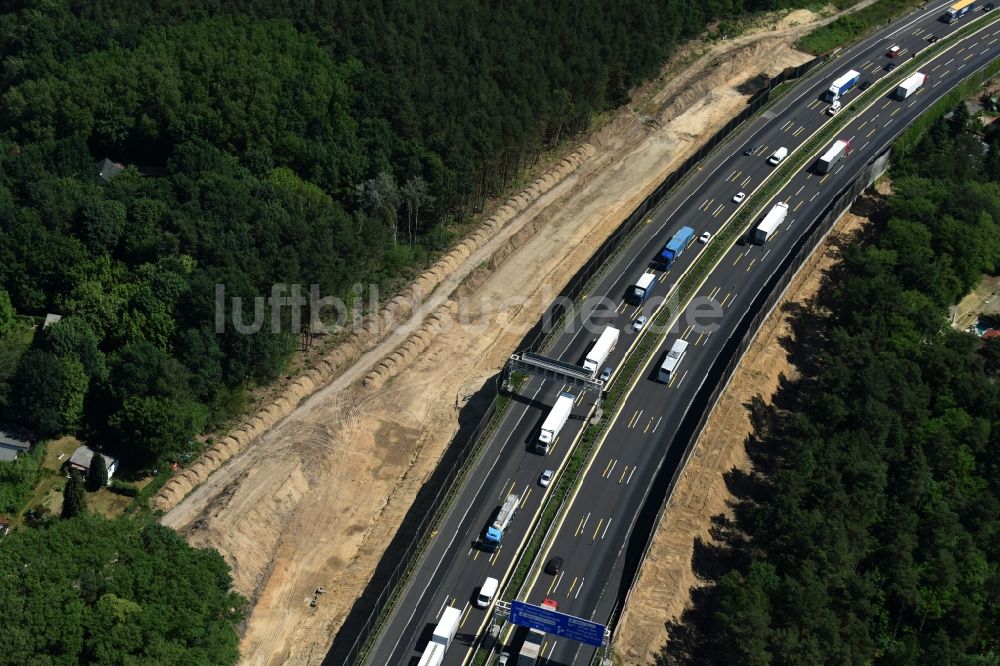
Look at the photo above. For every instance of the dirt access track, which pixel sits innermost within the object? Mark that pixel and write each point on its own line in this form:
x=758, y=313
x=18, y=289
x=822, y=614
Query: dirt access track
x=310, y=494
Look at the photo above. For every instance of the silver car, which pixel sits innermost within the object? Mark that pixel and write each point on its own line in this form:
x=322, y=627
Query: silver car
x=546, y=478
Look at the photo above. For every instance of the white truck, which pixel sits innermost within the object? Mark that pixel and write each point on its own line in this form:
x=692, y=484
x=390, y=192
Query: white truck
x=777, y=156
x=840, y=148
x=599, y=352
x=910, y=85
x=444, y=634
x=554, y=422
x=528, y=656
x=770, y=223
x=532, y=647
x=673, y=359
x=640, y=291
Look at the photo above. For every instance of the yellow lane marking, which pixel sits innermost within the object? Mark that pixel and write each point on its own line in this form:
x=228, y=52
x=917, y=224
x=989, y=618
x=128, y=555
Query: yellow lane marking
x=600, y=523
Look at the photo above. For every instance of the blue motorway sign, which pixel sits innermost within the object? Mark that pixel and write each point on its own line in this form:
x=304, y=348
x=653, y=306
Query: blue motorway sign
x=554, y=622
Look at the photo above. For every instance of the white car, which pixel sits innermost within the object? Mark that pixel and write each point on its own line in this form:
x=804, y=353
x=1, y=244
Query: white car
x=504, y=658
x=892, y=52
x=705, y=237
x=639, y=323
x=739, y=197
x=546, y=478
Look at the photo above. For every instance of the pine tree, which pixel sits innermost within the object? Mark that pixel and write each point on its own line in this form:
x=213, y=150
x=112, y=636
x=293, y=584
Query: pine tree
x=97, y=474
x=74, y=497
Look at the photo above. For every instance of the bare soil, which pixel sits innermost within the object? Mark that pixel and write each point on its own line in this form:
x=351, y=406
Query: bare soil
x=662, y=591
x=315, y=499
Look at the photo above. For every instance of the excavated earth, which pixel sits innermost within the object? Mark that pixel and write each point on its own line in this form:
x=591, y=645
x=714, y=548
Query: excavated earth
x=310, y=490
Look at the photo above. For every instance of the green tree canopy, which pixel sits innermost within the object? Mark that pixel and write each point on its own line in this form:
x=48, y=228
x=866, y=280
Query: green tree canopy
x=74, y=497
x=97, y=473
x=90, y=590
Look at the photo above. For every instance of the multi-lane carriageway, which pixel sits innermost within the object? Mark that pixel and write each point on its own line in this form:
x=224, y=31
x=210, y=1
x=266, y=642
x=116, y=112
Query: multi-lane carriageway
x=598, y=522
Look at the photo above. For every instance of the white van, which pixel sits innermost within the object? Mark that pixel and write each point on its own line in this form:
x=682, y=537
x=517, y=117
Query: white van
x=486, y=592
x=673, y=359
x=777, y=156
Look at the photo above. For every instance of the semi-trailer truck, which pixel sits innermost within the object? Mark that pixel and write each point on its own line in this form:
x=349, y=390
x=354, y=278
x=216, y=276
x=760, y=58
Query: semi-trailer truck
x=770, y=223
x=910, y=85
x=641, y=290
x=839, y=148
x=494, y=531
x=444, y=634
x=599, y=352
x=677, y=244
x=841, y=85
x=554, y=422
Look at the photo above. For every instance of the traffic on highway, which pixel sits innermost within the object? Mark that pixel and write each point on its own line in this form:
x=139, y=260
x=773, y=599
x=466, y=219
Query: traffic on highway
x=580, y=571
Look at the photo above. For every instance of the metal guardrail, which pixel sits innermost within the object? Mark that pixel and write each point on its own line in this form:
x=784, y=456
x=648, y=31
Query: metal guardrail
x=821, y=228
x=535, y=340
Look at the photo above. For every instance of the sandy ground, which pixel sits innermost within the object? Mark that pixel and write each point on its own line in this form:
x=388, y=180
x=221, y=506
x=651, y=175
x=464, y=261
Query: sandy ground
x=662, y=590
x=981, y=301
x=315, y=499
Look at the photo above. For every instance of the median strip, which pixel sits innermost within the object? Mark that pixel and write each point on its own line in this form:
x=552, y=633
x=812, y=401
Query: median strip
x=593, y=436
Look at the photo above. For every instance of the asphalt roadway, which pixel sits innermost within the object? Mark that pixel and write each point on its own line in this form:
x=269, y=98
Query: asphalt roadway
x=598, y=524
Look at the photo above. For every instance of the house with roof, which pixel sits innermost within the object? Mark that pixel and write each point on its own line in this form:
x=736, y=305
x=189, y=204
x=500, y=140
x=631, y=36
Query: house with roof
x=80, y=461
x=13, y=442
x=107, y=169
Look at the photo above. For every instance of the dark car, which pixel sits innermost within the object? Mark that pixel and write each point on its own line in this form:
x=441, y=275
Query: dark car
x=891, y=66
x=988, y=6
x=554, y=566
x=750, y=150
x=865, y=85
x=932, y=39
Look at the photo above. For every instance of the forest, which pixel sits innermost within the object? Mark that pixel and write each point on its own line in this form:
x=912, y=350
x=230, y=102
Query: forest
x=868, y=530
x=87, y=590
x=260, y=142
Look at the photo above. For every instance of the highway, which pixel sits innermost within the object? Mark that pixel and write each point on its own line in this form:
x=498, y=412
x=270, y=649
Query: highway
x=598, y=523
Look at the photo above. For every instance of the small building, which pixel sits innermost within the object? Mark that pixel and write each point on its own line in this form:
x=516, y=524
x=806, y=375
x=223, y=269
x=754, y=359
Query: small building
x=51, y=319
x=107, y=169
x=80, y=461
x=13, y=442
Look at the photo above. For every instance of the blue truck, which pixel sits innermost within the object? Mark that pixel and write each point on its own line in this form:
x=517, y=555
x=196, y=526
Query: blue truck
x=640, y=291
x=841, y=85
x=680, y=241
x=494, y=531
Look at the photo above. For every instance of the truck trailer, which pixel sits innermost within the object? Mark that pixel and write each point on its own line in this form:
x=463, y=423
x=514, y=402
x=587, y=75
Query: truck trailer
x=770, y=223
x=641, y=290
x=444, y=634
x=841, y=85
x=494, y=532
x=555, y=421
x=599, y=352
x=532, y=647
x=839, y=149
x=677, y=244
x=910, y=85
x=958, y=10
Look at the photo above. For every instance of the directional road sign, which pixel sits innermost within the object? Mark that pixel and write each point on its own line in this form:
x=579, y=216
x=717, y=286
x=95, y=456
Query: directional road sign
x=554, y=622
